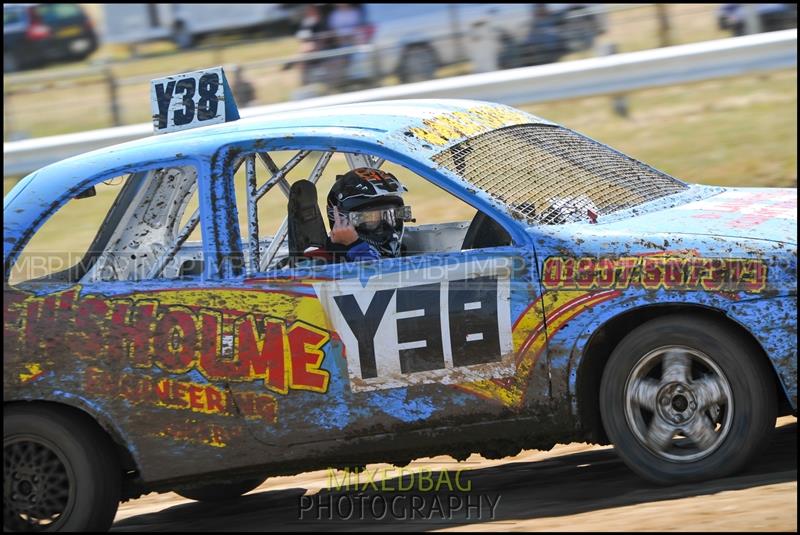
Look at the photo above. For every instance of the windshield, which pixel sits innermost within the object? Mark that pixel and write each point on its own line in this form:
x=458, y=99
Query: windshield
x=550, y=175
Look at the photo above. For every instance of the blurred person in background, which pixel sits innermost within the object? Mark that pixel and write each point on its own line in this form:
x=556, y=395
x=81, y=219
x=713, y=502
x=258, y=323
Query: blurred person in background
x=243, y=89
x=345, y=23
x=314, y=36
x=484, y=46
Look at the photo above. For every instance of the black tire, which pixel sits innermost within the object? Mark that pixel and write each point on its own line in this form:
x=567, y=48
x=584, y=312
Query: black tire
x=419, y=63
x=670, y=429
x=10, y=62
x=220, y=492
x=58, y=458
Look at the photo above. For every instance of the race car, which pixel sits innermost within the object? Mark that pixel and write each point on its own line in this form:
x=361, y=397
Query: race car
x=190, y=348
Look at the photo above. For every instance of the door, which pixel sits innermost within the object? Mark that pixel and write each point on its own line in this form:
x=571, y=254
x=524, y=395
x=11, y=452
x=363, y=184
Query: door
x=353, y=349
x=428, y=339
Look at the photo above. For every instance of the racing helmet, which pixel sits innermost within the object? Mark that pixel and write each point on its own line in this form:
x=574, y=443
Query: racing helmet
x=372, y=201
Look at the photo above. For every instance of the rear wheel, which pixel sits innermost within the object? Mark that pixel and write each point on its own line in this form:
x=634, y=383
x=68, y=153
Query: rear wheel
x=60, y=472
x=686, y=399
x=220, y=492
x=10, y=63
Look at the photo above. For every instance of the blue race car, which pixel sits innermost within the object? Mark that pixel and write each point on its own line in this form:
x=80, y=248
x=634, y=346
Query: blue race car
x=190, y=348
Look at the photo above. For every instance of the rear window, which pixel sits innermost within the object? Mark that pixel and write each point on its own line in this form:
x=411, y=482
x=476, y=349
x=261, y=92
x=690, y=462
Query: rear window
x=54, y=13
x=551, y=175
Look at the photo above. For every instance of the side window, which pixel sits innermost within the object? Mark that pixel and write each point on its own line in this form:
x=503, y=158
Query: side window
x=64, y=248
x=155, y=232
x=12, y=15
x=263, y=182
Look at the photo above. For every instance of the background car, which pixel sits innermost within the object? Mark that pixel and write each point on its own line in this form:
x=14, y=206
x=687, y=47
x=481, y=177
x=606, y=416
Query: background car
x=37, y=34
x=413, y=43
x=771, y=17
x=185, y=24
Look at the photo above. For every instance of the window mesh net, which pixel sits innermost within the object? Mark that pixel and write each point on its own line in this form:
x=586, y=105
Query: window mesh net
x=551, y=175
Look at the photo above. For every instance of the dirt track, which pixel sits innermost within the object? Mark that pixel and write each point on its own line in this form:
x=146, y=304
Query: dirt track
x=576, y=487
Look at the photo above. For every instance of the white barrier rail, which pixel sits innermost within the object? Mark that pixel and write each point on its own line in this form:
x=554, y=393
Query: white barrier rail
x=557, y=81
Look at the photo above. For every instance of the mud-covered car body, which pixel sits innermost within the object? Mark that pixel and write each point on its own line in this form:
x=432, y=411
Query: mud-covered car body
x=489, y=342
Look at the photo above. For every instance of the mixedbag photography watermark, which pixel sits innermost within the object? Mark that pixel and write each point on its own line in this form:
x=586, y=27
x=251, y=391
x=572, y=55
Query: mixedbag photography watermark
x=398, y=494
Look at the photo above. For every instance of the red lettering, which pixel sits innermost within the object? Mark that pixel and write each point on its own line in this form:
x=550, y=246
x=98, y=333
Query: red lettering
x=626, y=266
x=89, y=317
x=568, y=273
x=673, y=273
x=214, y=367
x=697, y=267
x=195, y=398
x=585, y=276
x=757, y=280
x=605, y=275
x=175, y=341
x=265, y=408
x=179, y=394
x=162, y=390
x=652, y=269
x=131, y=333
x=306, y=359
x=65, y=303
x=713, y=278
x=214, y=400
x=268, y=360
x=552, y=272
x=41, y=326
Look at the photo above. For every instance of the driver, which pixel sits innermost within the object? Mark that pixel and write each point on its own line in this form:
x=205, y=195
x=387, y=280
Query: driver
x=366, y=215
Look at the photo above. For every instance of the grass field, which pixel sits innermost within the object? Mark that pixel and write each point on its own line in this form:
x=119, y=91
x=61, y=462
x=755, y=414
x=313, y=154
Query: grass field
x=33, y=112
x=735, y=132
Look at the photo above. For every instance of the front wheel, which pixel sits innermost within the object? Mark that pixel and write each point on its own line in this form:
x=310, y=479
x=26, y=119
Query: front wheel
x=686, y=399
x=60, y=472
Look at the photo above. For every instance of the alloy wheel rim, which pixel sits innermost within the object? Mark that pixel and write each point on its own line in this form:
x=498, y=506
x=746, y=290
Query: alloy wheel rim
x=678, y=403
x=38, y=485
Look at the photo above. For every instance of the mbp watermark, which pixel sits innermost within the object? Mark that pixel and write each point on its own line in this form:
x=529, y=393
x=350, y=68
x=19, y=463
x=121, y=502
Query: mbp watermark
x=398, y=494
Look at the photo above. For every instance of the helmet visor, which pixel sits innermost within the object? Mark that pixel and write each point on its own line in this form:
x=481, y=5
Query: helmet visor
x=373, y=219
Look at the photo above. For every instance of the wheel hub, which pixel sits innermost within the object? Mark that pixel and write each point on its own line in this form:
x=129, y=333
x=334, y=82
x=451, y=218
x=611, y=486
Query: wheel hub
x=25, y=488
x=676, y=403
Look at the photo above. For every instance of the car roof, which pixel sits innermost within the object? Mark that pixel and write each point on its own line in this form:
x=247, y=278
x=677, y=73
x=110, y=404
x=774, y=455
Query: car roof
x=386, y=124
x=411, y=131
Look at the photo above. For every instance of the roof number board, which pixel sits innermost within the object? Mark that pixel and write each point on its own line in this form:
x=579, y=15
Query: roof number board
x=190, y=100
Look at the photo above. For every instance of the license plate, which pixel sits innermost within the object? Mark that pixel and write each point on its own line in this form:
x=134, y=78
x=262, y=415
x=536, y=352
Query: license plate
x=69, y=31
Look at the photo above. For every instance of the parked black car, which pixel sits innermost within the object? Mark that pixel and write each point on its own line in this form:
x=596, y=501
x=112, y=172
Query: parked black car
x=36, y=34
x=552, y=35
x=771, y=17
